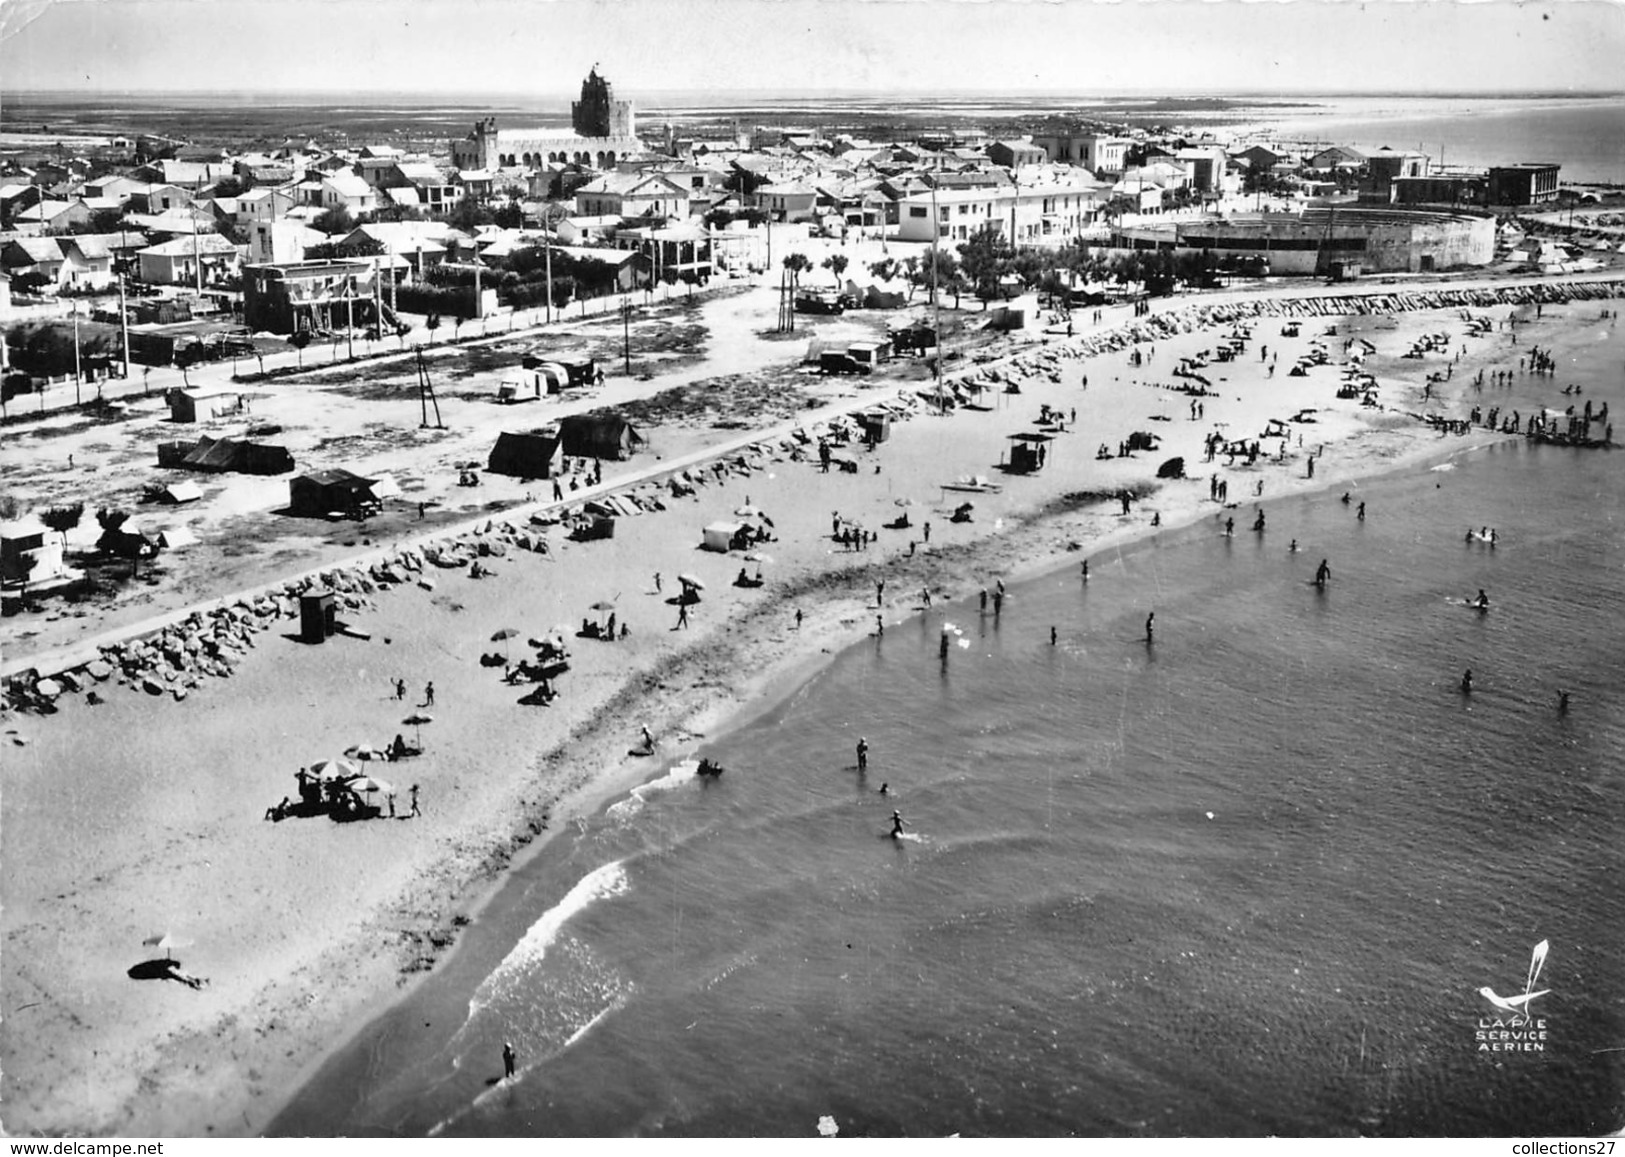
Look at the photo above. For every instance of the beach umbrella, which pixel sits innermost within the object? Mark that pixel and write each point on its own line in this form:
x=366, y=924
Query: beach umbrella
x=334, y=769
x=417, y=719
x=363, y=751
x=503, y=636
x=758, y=558
x=748, y=511
x=166, y=941
x=689, y=580
x=368, y=784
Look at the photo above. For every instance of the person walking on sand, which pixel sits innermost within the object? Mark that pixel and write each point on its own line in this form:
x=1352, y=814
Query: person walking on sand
x=648, y=738
x=415, y=813
x=682, y=616
x=863, y=754
x=798, y=618
x=391, y=799
x=508, y=1058
x=400, y=689
x=428, y=694
x=880, y=627
x=657, y=582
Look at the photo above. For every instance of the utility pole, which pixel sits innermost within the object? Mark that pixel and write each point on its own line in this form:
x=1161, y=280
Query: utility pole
x=936, y=311
x=124, y=326
x=349, y=315
x=77, y=378
x=626, y=331
x=549, y=256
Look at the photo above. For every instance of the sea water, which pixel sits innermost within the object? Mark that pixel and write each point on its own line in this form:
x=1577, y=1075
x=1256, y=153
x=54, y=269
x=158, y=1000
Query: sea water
x=1247, y=878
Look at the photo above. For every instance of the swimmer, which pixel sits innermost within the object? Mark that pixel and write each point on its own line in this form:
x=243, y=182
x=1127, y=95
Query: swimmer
x=1258, y=523
x=1562, y=702
x=1470, y=535
x=896, y=824
x=885, y=789
x=1292, y=548
x=1467, y=681
x=1482, y=602
x=1229, y=526
x=1085, y=570
x=1345, y=499
x=1360, y=513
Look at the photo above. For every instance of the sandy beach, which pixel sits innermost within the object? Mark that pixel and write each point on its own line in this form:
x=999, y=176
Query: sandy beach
x=145, y=815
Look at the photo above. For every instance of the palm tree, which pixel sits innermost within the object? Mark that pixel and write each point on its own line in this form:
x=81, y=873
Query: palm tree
x=836, y=264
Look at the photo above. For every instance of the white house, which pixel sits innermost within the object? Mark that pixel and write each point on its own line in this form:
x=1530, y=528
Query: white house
x=1021, y=214
x=632, y=195
x=176, y=262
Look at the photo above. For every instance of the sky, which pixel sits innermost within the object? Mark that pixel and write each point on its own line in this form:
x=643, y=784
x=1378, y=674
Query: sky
x=544, y=47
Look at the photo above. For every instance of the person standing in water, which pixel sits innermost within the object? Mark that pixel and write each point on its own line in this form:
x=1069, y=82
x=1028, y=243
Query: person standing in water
x=508, y=1059
x=1360, y=513
x=1322, y=573
x=1052, y=636
x=896, y=824
x=1562, y=702
x=1150, y=625
x=1085, y=570
x=863, y=754
x=1482, y=602
x=1467, y=681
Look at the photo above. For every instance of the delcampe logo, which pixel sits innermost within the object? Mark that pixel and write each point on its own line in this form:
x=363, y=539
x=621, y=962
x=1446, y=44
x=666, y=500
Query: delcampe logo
x=1513, y=1028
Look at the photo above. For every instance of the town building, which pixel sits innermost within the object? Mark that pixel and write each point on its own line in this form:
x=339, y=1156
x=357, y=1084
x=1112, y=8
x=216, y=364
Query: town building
x=1021, y=214
x=1100, y=154
x=632, y=195
x=307, y=295
x=1384, y=166
x=1530, y=183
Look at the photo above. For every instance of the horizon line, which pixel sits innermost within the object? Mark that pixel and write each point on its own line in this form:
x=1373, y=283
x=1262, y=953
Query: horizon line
x=1162, y=91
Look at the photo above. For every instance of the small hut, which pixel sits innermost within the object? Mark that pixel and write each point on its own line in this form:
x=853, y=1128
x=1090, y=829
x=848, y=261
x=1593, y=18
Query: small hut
x=523, y=454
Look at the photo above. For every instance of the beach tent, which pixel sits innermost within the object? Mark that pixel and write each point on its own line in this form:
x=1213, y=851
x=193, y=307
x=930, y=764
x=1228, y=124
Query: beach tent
x=601, y=435
x=219, y=455
x=719, y=536
x=523, y=454
x=384, y=486
x=178, y=492
x=176, y=537
x=325, y=491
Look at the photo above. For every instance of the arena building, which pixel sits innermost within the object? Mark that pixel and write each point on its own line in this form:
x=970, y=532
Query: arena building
x=1374, y=240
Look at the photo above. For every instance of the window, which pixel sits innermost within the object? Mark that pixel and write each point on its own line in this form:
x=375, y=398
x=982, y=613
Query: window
x=916, y=211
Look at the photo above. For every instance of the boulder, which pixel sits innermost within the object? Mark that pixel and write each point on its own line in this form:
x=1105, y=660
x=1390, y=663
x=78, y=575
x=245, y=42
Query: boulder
x=47, y=688
x=98, y=670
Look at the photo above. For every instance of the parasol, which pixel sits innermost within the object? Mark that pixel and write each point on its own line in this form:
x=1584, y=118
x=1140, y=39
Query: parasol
x=503, y=636
x=334, y=769
x=368, y=784
x=417, y=719
x=689, y=580
x=167, y=941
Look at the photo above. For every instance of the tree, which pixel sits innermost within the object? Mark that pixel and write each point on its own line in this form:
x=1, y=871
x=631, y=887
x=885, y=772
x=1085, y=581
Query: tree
x=885, y=269
x=794, y=265
x=63, y=518
x=510, y=216
x=911, y=271
x=985, y=258
x=229, y=187
x=299, y=339
x=948, y=273
x=836, y=263
x=431, y=323
x=334, y=221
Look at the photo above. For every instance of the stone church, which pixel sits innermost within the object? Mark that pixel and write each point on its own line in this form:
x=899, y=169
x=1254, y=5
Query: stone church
x=603, y=131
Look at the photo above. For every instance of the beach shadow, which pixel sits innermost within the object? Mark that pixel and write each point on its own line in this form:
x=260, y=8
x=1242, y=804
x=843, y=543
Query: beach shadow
x=164, y=968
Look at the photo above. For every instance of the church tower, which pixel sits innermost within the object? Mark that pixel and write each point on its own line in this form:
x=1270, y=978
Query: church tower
x=598, y=113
